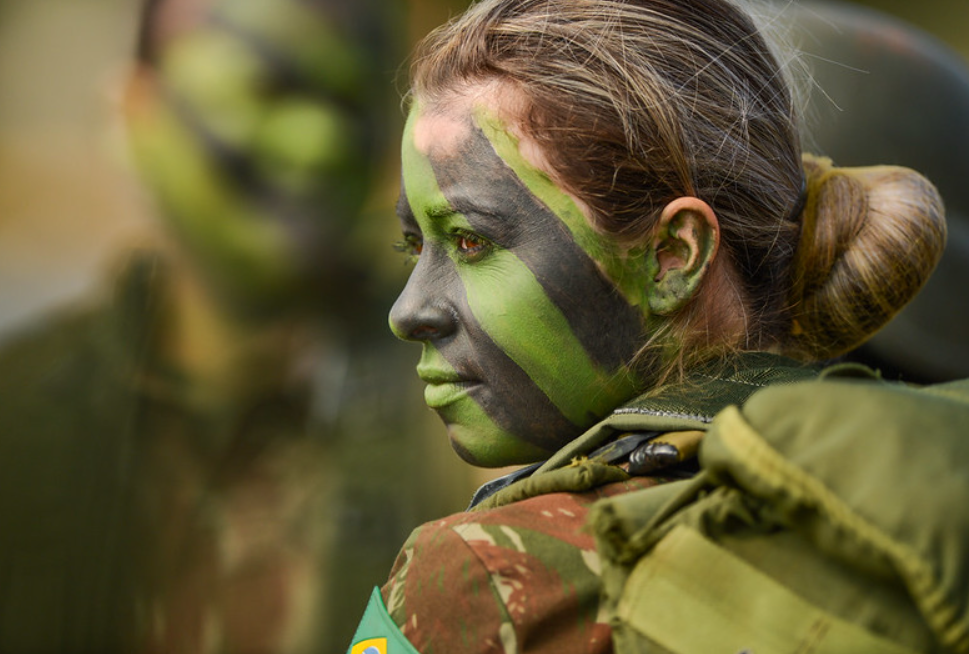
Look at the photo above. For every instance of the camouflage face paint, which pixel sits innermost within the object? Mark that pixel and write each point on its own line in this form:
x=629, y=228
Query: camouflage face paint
x=526, y=338
x=258, y=150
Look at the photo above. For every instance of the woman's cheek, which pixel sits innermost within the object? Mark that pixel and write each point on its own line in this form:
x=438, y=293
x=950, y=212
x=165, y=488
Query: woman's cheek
x=513, y=309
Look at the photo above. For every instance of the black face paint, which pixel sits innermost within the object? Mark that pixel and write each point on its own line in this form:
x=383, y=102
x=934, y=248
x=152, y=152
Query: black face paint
x=526, y=340
x=520, y=222
x=472, y=354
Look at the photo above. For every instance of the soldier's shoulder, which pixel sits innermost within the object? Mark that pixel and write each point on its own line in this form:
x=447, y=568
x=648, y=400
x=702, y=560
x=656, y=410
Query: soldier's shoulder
x=505, y=571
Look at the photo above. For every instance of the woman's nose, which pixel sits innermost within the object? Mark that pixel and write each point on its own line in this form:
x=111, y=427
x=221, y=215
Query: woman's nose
x=422, y=312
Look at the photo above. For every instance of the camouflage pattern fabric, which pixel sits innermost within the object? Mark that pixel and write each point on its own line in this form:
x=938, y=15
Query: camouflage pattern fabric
x=520, y=572
x=523, y=577
x=132, y=520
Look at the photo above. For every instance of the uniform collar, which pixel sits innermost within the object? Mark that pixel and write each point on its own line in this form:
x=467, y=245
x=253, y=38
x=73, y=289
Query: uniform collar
x=689, y=404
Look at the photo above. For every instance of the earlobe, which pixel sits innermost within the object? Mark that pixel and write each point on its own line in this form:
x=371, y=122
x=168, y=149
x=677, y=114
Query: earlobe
x=684, y=246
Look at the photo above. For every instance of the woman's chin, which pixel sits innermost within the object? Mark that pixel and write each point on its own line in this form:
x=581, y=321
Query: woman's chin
x=492, y=450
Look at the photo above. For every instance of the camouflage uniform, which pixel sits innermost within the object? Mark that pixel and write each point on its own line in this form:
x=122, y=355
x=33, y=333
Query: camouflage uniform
x=522, y=576
x=132, y=520
x=520, y=571
x=824, y=517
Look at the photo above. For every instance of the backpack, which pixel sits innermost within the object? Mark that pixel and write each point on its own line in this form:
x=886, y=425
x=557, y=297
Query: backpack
x=828, y=516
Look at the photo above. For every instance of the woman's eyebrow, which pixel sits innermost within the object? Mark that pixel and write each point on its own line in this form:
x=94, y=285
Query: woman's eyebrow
x=478, y=201
x=435, y=210
x=492, y=215
x=440, y=210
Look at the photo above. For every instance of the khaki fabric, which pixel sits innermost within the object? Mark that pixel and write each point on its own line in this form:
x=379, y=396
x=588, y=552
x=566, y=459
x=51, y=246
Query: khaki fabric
x=520, y=571
x=828, y=516
x=691, y=595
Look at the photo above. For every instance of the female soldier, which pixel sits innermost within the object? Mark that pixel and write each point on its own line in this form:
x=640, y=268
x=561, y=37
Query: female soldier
x=616, y=236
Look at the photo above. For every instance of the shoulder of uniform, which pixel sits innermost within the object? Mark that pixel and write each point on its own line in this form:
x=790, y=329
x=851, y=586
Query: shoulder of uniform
x=440, y=591
x=500, y=574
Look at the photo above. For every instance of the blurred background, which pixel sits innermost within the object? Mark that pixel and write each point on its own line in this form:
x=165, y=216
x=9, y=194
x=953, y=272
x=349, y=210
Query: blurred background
x=72, y=208
x=65, y=199
x=211, y=441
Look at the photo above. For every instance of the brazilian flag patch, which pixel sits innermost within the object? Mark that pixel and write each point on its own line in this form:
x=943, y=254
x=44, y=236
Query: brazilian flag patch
x=370, y=646
x=377, y=632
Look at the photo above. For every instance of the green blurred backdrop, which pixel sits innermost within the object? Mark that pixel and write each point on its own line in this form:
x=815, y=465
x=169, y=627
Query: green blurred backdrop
x=65, y=202
x=69, y=203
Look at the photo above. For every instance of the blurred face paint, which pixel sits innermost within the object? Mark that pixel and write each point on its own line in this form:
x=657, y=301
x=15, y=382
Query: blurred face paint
x=257, y=153
x=521, y=307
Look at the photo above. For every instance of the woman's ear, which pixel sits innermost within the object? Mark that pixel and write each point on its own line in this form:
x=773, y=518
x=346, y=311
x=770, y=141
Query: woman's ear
x=684, y=246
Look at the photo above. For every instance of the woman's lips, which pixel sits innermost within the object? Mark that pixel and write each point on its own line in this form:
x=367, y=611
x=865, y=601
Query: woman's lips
x=444, y=387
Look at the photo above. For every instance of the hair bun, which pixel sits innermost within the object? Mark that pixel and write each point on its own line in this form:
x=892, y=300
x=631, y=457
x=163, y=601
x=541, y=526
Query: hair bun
x=870, y=238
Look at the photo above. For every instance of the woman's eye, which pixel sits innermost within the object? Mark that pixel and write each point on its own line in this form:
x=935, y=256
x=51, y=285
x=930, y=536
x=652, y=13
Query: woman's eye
x=471, y=244
x=411, y=246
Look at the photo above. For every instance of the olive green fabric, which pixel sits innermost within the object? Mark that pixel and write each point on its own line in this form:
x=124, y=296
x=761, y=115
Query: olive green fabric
x=690, y=595
x=689, y=404
x=116, y=487
x=577, y=477
x=843, y=498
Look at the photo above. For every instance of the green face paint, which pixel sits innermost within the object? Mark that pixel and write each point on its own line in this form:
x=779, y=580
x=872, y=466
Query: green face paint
x=473, y=432
x=536, y=337
x=626, y=268
x=259, y=155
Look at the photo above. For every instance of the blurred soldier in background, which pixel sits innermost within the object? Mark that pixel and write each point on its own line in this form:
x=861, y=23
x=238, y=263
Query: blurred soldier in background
x=223, y=454
x=213, y=457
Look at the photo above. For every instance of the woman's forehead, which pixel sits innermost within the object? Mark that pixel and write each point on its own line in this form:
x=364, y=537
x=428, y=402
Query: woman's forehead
x=461, y=108
x=480, y=125
x=437, y=134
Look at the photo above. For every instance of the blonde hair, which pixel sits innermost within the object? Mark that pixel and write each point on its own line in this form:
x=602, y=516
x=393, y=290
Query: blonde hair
x=870, y=238
x=637, y=102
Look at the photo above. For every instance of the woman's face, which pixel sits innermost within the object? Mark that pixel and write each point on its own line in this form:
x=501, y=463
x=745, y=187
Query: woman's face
x=528, y=317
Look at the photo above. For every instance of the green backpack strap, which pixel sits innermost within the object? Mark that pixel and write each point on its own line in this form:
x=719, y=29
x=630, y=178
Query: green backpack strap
x=377, y=632
x=873, y=475
x=691, y=595
x=825, y=518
